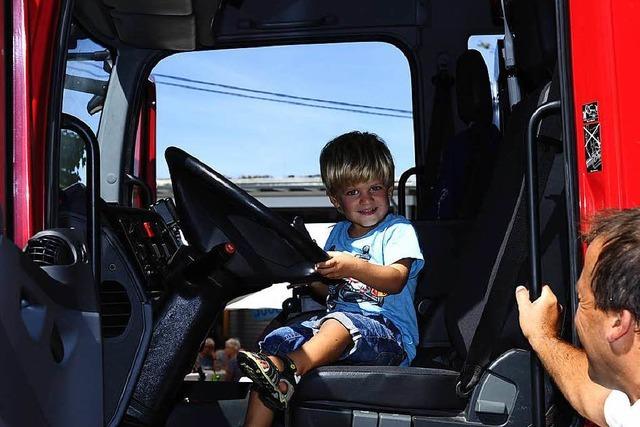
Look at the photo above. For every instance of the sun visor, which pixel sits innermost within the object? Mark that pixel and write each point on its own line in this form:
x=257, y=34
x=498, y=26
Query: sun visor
x=155, y=7
x=156, y=31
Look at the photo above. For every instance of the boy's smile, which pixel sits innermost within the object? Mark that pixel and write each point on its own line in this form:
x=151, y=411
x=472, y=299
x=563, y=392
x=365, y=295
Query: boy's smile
x=364, y=205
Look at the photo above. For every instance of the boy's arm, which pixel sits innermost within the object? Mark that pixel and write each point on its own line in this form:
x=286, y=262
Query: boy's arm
x=389, y=279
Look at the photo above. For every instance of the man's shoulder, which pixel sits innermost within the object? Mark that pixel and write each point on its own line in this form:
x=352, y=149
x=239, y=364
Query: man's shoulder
x=619, y=412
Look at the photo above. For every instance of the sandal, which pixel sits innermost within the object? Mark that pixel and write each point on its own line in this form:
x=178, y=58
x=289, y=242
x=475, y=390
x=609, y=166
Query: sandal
x=266, y=378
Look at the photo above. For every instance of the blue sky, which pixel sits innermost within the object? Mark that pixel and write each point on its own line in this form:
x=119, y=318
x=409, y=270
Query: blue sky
x=240, y=136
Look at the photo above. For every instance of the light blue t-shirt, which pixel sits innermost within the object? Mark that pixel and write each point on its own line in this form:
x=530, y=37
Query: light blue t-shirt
x=393, y=239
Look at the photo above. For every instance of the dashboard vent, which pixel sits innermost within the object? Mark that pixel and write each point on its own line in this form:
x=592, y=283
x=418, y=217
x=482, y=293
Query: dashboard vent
x=48, y=250
x=115, y=309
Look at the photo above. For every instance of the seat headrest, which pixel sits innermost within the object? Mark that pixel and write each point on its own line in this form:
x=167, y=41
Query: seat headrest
x=473, y=88
x=533, y=24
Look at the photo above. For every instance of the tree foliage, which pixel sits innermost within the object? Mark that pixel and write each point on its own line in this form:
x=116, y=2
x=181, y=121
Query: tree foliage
x=73, y=157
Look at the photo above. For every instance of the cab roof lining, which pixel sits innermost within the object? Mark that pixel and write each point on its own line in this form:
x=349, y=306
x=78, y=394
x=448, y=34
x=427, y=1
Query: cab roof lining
x=186, y=25
x=175, y=25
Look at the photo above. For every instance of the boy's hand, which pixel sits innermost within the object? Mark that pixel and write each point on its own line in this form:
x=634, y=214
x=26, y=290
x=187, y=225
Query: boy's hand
x=340, y=265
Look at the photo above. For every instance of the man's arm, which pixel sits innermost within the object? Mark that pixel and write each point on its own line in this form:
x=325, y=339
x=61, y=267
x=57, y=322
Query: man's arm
x=567, y=365
x=389, y=279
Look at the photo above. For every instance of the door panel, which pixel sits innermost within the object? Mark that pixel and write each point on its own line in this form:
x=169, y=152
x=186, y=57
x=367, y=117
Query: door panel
x=50, y=357
x=605, y=92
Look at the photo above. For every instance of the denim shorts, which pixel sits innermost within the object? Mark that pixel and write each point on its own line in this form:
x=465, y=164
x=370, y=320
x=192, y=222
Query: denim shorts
x=376, y=341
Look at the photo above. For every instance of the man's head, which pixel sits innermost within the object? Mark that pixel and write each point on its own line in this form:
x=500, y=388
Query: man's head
x=358, y=172
x=609, y=296
x=231, y=347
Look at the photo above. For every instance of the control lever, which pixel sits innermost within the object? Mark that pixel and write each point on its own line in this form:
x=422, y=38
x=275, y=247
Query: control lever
x=191, y=264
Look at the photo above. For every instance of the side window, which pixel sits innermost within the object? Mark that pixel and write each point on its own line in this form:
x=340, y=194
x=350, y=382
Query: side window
x=488, y=46
x=85, y=88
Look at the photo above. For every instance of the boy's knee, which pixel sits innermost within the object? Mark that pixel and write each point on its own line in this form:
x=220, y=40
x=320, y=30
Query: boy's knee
x=333, y=325
x=280, y=341
x=336, y=329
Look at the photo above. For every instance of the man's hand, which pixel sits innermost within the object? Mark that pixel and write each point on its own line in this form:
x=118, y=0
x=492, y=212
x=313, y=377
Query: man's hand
x=567, y=365
x=340, y=265
x=540, y=319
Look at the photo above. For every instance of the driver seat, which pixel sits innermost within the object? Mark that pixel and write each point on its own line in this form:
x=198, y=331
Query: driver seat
x=493, y=255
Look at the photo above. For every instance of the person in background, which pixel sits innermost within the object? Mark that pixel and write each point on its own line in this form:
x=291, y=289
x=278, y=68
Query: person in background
x=221, y=359
x=231, y=349
x=206, y=355
x=219, y=366
x=602, y=380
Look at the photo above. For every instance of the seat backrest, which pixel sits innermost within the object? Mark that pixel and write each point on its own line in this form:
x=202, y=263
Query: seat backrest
x=439, y=245
x=496, y=250
x=467, y=161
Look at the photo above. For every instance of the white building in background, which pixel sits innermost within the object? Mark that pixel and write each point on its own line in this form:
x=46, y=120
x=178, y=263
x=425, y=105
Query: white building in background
x=305, y=194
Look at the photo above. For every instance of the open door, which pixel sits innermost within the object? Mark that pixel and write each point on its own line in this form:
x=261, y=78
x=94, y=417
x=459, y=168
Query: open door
x=50, y=339
x=50, y=356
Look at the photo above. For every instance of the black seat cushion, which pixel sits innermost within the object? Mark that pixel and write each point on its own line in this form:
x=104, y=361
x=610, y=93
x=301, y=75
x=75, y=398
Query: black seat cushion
x=404, y=389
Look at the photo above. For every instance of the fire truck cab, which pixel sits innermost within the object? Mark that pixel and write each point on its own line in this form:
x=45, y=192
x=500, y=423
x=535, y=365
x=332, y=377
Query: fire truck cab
x=107, y=291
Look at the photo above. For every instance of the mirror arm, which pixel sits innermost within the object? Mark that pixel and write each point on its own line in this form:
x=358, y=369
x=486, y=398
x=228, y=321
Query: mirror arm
x=93, y=196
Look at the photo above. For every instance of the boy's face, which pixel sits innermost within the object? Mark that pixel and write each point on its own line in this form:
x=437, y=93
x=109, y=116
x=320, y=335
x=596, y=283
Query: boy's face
x=364, y=205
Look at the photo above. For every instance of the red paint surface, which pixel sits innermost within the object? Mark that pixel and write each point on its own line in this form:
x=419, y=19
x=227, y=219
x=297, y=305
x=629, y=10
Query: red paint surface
x=144, y=165
x=605, y=62
x=34, y=34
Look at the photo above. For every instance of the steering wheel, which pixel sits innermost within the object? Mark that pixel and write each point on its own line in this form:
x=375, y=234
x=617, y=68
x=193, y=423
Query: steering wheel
x=212, y=211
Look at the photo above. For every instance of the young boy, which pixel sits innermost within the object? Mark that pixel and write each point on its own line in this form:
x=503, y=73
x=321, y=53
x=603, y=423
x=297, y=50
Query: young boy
x=370, y=318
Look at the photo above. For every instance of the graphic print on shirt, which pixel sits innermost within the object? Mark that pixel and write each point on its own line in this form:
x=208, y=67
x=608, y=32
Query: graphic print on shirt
x=352, y=290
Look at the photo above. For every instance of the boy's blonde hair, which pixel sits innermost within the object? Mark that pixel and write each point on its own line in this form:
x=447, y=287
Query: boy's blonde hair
x=353, y=158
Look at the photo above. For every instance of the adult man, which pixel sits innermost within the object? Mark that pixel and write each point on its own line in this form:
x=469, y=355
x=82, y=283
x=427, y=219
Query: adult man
x=602, y=382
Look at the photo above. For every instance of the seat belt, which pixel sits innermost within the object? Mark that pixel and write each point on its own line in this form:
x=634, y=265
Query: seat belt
x=440, y=130
x=499, y=297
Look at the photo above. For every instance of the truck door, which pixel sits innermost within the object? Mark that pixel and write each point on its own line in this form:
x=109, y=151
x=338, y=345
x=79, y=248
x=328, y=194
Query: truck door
x=605, y=94
x=50, y=341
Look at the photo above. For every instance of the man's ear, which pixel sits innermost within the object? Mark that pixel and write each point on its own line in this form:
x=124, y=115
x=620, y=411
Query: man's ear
x=619, y=324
